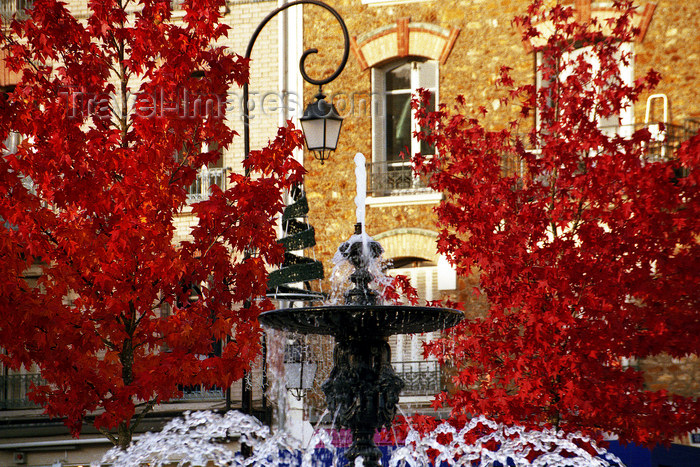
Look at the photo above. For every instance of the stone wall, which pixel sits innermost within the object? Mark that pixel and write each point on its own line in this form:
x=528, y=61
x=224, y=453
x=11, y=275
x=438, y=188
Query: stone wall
x=672, y=48
x=486, y=41
x=679, y=376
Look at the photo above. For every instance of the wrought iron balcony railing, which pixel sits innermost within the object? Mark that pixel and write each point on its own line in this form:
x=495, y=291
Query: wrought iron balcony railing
x=666, y=138
x=391, y=178
x=14, y=390
x=422, y=378
x=14, y=7
x=206, y=178
x=394, y=178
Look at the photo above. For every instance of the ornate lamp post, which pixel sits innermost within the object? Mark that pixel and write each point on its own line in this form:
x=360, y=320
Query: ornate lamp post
x=321, y=122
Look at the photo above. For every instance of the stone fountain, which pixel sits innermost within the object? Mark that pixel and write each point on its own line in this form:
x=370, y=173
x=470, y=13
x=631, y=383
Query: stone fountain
x=362, y=388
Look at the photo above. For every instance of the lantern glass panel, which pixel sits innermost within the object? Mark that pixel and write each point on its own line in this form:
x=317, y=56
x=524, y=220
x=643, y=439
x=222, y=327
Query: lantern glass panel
x=332, y=133
x=314, y=132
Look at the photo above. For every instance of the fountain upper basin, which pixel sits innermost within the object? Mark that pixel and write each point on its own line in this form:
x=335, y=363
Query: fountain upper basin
x=353, y=320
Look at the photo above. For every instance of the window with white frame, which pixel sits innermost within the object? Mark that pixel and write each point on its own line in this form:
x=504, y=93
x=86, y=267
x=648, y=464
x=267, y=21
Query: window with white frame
x=422, y=377
x=212, y=174
x=423, y=277
x=621, y=124
x=394, y=123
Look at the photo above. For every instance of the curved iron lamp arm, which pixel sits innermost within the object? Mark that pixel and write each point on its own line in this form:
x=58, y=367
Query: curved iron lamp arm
x=302, y=70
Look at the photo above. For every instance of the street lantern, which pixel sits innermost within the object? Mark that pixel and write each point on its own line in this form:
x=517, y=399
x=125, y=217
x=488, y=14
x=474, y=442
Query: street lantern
x=321, y=122
x=321, y=126
x=299, y=369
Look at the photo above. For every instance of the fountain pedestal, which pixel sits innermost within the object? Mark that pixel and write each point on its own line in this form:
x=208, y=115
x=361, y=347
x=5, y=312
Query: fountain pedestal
x=363, y=388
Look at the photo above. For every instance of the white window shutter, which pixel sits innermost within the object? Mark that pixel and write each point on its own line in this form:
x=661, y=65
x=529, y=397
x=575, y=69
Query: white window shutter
x=447, y=275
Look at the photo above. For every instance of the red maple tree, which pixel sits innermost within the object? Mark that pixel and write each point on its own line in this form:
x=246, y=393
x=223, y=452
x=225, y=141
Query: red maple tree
x=585, y=242
x=116, y=114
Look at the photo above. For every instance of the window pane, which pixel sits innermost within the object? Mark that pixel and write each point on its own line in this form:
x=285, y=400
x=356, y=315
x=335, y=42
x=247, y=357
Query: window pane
x=398, y=125
x=427, y=75
x=399, y=78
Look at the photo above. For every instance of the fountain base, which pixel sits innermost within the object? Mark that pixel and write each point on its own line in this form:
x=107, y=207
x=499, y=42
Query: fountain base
x=363, y=446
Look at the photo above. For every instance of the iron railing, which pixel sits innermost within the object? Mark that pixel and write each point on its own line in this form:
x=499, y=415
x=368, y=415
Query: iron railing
x=8, y=8
x=391, y=178
x=206, y=178
x=666, y=138
x=692, y=126
x=197, y=394
x=14, y=390
x=421, y=378
x=394, y=178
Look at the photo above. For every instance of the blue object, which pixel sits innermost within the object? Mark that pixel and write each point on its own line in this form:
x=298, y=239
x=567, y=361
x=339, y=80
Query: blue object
x=675, y=455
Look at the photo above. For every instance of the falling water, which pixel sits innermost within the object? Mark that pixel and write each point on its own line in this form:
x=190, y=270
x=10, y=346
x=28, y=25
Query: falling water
x=277, y=390
x=342, y=269
x=498, y=444
x=194, y=440
x=200, y=438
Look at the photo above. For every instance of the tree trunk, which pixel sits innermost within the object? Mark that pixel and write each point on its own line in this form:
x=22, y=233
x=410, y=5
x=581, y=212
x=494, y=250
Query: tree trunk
x=124, y=434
